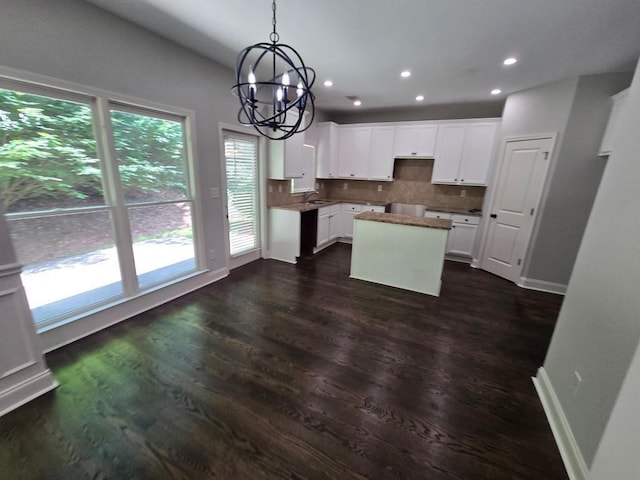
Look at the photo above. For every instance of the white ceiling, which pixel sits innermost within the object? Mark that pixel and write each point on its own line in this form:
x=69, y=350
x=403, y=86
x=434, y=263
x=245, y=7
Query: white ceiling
x=454, y=48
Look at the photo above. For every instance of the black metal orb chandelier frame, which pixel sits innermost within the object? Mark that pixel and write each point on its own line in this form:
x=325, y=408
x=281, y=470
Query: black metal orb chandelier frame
x=274, y=107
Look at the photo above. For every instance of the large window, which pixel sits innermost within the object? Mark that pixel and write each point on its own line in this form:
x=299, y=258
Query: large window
x=88, y=227
x=241, y=161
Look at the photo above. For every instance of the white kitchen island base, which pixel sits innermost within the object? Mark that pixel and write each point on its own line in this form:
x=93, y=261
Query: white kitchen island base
x=398, y=253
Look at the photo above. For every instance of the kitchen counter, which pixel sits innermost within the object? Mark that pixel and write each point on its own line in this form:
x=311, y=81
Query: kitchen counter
x=306, y=206
x=405, y=220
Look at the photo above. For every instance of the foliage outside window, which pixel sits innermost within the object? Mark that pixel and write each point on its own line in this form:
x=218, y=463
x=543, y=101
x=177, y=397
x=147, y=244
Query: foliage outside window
x=63, y=209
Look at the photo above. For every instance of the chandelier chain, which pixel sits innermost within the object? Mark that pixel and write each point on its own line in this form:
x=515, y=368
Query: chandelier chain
x=274, y=37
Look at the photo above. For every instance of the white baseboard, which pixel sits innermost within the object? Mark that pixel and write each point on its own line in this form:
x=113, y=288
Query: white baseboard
x=569, y=450
x=542, y=286
x=26, y=391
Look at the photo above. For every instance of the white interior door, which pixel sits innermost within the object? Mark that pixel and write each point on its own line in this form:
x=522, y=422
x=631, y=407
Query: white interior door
x=518, y=191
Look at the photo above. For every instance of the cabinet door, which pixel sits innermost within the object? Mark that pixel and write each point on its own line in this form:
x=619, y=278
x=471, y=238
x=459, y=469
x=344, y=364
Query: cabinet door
x=477, y=153
x=293, y=156
x=426, y=140
x=335, y=225
x=349, y=210
x=404, y=142
x=353, y=153
x=415, y=141
x=323, y=229
x=448, y=153
x=381, y=157
x=461, y=239
x=327, y=151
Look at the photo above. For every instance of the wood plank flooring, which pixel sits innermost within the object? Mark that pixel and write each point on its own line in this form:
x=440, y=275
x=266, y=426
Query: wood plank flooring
x=298, y=372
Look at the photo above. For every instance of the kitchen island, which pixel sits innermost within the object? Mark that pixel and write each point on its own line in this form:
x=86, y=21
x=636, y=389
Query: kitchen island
x=400, y=250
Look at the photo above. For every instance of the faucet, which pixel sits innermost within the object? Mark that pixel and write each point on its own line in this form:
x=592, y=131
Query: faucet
x=306, y=195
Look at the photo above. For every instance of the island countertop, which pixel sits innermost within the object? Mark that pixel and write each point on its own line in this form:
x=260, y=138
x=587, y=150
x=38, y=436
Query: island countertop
x=405, y=220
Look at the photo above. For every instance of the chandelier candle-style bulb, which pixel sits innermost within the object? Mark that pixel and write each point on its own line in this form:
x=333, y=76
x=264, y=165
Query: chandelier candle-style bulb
x=252, y=84
x=264, y=94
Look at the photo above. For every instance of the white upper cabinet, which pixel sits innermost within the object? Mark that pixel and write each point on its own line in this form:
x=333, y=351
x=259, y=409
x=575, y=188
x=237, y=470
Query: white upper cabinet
x=381, y=156
x=618, y=102
x=286, y=158
x=354, y=147
x=327, y=152
x=415, y=140
x=477, y=153
x=464, y=152
x=448, y=153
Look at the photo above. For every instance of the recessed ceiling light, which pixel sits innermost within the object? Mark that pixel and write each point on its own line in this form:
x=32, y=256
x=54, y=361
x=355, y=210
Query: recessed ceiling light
x=420, y=98
x=510, y=61
x=357, y=103
x=405, y=74
x=496, y=91
x=328, y=83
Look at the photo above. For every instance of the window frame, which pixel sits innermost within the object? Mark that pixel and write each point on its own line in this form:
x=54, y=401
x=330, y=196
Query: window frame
x=100, y=102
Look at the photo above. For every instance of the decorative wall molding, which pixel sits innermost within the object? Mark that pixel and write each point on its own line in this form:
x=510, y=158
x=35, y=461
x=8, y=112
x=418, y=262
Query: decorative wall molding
x=542, y=286
x=10, y=269
x=26, y=391
x=569, y=450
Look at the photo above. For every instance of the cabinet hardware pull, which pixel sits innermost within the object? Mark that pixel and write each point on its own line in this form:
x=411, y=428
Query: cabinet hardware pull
x=493, y=215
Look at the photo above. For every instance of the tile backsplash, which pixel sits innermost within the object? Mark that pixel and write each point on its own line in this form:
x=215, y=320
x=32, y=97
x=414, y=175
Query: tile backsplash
x=411, y=184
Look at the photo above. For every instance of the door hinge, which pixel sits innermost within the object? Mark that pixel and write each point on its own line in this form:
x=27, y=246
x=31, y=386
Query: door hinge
x=519, y=261
x=532, y=210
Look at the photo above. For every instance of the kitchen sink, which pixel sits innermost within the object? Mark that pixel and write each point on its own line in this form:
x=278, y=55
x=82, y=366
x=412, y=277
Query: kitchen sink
x=318, y=202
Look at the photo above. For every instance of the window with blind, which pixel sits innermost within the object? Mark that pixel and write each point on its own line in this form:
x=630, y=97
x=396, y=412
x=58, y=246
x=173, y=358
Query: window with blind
x=241, y=165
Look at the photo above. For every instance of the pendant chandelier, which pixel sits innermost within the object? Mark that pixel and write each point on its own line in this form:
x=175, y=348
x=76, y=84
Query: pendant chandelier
x=274, y=88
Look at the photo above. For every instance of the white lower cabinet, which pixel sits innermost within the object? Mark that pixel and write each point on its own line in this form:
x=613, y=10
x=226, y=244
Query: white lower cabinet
x=350, y=210
x=462, y=236
x=329, y=225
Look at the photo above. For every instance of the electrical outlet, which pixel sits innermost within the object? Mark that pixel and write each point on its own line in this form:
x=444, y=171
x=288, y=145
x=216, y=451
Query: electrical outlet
x=270, y=188
x=279, y=188
x=379, y=188
x=215, y=192
x=317, y=186
x=463, y=193
x=212, y=254
x=345, y=186
x=575, y=383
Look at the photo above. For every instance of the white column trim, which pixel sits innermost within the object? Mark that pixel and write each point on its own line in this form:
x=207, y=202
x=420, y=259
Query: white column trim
x=569, y=449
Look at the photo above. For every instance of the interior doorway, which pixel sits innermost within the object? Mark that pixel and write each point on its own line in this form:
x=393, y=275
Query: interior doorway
x=521, y=177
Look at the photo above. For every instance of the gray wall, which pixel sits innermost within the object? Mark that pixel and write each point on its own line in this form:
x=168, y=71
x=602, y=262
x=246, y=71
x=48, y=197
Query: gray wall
x=575, y=179
x=429, y=112
x=598, y=328
x=75, y=41
x=577, y=110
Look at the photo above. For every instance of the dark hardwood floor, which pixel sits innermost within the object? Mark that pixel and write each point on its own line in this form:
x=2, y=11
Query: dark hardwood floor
x=298, y=372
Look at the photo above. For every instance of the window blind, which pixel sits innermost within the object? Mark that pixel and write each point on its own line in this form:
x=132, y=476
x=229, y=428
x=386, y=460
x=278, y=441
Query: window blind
x=241, y=161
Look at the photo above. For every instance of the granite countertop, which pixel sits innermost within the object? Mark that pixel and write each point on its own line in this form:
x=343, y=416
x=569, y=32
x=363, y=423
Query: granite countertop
x=454, y=210
x=405, y=220
x=305, y=207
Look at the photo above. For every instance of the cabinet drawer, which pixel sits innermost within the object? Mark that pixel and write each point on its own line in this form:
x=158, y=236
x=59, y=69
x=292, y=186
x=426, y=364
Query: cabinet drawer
x=351, y=207
x=443, y=215
x=469, y=220
x=373, y=208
